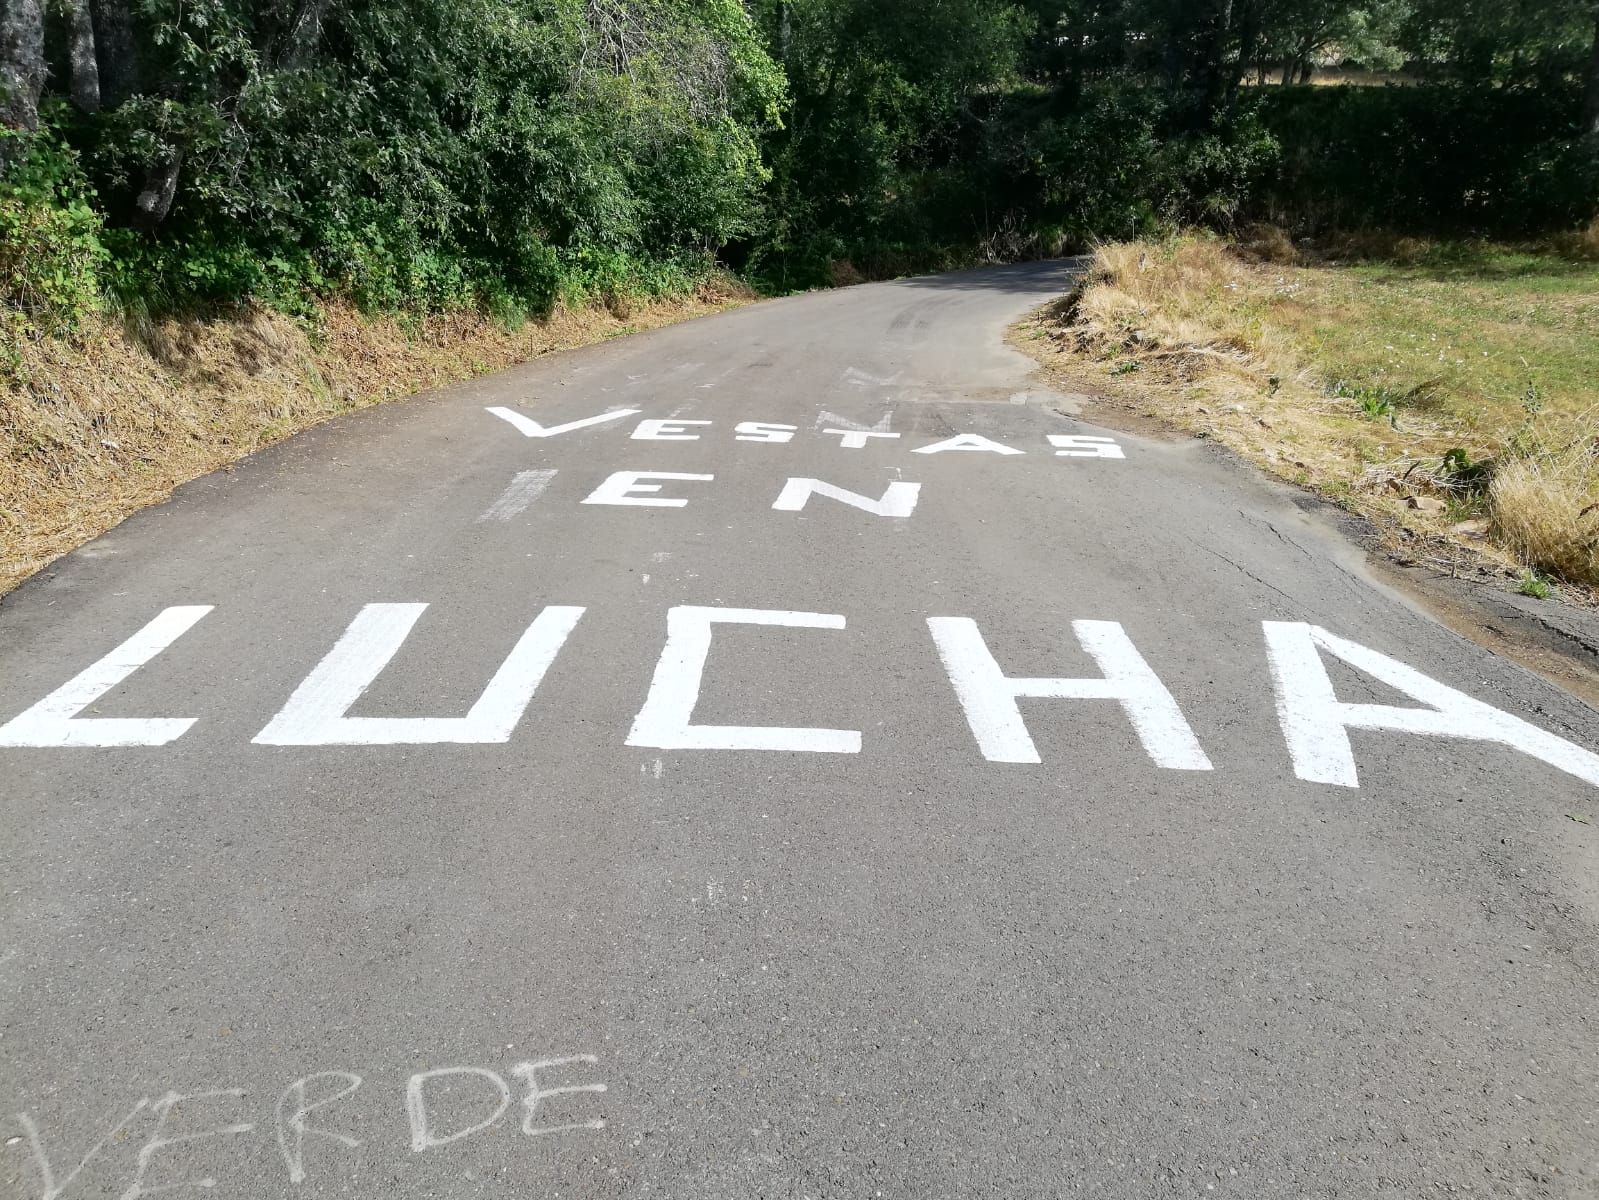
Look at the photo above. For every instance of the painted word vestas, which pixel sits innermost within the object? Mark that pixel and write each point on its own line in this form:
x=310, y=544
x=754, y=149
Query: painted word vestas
x=1315, y=723
x=852, y=437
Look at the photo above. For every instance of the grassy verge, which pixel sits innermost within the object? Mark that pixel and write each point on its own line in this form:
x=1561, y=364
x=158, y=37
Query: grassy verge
x=1449, y=393
x=100, y=424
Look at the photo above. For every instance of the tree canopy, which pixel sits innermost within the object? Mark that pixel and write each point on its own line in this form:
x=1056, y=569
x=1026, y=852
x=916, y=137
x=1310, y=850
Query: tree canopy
x=504, y=152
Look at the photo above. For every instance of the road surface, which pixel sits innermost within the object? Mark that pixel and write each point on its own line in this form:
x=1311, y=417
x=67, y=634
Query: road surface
x=783, y=755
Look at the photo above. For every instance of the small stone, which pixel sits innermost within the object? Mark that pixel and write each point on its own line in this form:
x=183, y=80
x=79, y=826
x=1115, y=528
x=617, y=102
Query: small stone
x=1470, y=529
x=1425, y=503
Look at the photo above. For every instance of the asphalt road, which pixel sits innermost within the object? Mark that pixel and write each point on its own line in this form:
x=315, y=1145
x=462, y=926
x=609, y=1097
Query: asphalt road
x=880, y=878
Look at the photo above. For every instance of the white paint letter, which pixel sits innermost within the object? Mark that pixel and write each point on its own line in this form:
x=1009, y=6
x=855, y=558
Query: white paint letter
x=884, y=422
x=664, y=721
x=968, y=441
x=855, y=439
x=898, y=501
x=533, y=429
x=528, y=1073
x=763, y=431
x=157, y=1143
x=1078, y=445
x=524, y=488
x=50, y=722
x=666, y=431
x=1315, y=722
x=314, y=715
x=47, y=1175
x=624, y=488
x=988, y=696
x=423, y=1137
x=292, y=1130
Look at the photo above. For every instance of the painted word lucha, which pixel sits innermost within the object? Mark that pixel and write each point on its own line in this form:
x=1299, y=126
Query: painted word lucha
x=1315, y=723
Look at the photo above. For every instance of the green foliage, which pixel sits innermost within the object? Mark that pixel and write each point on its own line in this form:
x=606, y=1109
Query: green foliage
x=1467, y=476
x=1535, y=585
x=1373, y=403
x=50, y=248
x=515, y=154
x=1441, y=160
x=433, y=154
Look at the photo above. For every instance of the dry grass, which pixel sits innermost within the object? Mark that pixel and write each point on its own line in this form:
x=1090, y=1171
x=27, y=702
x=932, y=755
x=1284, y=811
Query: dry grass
x=1448, y=395
x=112, y=421
x=1581, y=246
x=1545, y=508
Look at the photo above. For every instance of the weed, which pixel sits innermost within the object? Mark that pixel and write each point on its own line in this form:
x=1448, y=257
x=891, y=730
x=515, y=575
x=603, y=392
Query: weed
x=1375, y=403
x=1535, y=585
x=1463, y=474
x=1126, y=367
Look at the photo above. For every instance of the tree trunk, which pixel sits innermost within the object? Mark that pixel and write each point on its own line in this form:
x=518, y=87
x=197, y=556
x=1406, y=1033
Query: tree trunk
x=155, y=199
x=304, y=36
x=1248, y=46
x=22, y=69
x=116, y=51
x=1590, y=111
x=1220, y=70
x=85, y=81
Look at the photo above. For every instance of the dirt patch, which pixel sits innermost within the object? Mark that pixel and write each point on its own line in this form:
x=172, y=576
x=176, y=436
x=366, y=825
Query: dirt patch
x=110, y=422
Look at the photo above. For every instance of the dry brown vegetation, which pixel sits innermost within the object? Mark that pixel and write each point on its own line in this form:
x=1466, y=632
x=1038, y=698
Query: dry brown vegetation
x=1453, y=399
x=95, y=427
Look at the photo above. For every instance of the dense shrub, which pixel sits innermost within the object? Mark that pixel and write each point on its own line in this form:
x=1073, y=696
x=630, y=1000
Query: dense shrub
x=1439, y=159
x=51, y=253
x=436, y=154
x=426, y=153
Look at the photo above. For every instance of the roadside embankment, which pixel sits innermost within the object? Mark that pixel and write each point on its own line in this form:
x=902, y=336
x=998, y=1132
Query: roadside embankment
x=96, y=426
x=1447, y=393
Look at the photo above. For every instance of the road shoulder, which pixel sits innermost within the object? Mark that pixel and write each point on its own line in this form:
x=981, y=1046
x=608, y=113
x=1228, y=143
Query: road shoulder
x=1555, y=638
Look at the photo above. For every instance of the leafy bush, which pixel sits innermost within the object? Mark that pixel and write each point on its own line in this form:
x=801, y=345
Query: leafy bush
x=50, y=247
x=438, y=154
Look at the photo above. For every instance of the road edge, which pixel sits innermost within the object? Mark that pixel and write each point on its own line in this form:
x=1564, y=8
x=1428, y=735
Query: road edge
x=1554, y=639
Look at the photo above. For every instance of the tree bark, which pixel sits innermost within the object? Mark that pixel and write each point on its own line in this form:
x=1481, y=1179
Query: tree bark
x=1216, y=76
x=85, y=81
x=1590, y=112
x=154, y=201
x=304, y=35
x=22, y=69
x=116, y=51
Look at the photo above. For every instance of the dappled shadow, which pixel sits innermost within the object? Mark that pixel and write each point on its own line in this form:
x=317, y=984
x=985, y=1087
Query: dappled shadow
x=1028, y=278
x=1460, y=271
x=1456, y=262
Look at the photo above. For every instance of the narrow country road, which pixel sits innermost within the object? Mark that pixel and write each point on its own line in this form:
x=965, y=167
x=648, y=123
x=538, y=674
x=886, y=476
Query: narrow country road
x=785, y=756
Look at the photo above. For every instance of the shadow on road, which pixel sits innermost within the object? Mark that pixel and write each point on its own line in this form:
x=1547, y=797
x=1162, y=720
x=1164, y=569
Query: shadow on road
x=1022, y=278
